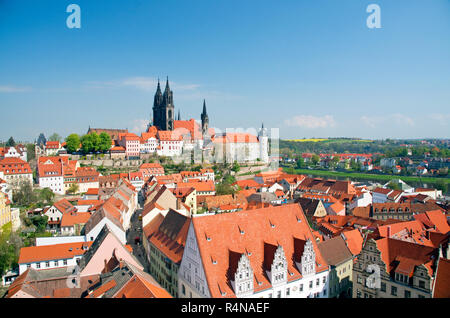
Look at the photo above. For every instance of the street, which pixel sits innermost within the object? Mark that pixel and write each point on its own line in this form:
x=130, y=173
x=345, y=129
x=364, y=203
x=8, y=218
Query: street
x=134, y=231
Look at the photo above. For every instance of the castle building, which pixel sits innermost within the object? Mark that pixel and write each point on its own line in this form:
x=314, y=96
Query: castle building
x=176, y=136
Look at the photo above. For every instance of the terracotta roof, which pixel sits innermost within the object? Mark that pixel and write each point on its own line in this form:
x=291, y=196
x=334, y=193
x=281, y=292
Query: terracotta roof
x=189, y=126
x=335, y=251
x=64, y=206
x=170, y=236
x=354, y=241
x=12, y=166
x=442, y=282
x=383, y=191
x=70, y=219
x=52, y=252
x=201, y=186
x=403, y=257
x=235, y=138
x=223, y=238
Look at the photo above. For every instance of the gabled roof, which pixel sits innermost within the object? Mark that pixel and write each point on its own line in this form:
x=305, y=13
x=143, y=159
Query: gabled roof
x=64, y=206
x=442, y=282
x=335, y=251
x=42, y=253
x=221, y=236
x=403, y=257
x=170, y=236
x=127, y=281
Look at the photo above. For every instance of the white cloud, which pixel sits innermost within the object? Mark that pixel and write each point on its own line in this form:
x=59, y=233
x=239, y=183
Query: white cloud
x=441, y=119
x=13, y=89
x=311, y=122
x=369, y=121
x=376, y=121
x=403, y=119
x=139, y=126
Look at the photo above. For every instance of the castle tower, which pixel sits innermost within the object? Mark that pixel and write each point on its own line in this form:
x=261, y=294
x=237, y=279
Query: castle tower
x=263, y=144
x=205, y=120
x=163, y=108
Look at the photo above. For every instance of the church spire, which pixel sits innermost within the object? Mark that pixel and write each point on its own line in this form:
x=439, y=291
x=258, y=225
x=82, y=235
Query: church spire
x=204, y=108
x=179, y=116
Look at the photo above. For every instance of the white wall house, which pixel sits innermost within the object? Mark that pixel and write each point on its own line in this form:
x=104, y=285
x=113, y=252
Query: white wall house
x=51, y=256
x=93, y=232
x=362, y=200
x=236, y=253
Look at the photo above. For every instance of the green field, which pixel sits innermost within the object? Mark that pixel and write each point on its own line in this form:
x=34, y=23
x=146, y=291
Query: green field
x=367, y=176
x=337, y=140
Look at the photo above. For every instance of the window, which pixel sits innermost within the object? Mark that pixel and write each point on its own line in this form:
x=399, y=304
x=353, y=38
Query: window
x=301, y=287
x=38, y=265
x=47, y=264
x=65, y=262
x=420, y=296
x=421, y=284
x=407, y=294
x=317, y=282
x=383, y=287
x=310, y=284
x=324, y=279
x=183, y=289
x=279, y=294
x=288, y=291
x=359, y=280
x=393, y=291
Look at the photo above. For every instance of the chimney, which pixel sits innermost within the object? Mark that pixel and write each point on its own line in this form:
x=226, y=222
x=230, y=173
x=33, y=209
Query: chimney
x=389, y=231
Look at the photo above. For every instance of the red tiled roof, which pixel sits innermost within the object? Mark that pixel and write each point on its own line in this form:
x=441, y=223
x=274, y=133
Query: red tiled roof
x=12, y=166
x=223, y=238
x=70, y=219
x=235, y=138
x=52, y=252
x=442, y=281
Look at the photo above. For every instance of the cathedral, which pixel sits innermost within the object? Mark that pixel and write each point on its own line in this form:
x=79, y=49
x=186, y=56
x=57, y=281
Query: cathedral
x=176, y=136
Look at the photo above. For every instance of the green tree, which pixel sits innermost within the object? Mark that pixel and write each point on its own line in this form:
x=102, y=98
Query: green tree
x=40, y=222
x=236, y=167
x=315, y=159
x=86, y=144
x=442, y=185
x=393, y=186
x=31, y=154
x=24, y=195
x=10, y=142
x=55, y=137
x=300, y=162
x=104, y=142
x=73, y=188
x=335, y=161
x=72, y=143
x=95, y=141
x=46, y=195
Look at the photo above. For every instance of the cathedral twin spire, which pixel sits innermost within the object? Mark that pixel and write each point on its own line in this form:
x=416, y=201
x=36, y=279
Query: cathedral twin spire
x=163, y=110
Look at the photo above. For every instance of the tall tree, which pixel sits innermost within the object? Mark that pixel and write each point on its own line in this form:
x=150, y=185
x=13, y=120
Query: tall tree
x=72, y=142
x=86, y=143
x=10, y=142
x=105, y=142
x=315, y=159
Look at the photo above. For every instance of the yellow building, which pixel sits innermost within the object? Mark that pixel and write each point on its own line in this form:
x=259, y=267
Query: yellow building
x=5, y=209
x=340, y=262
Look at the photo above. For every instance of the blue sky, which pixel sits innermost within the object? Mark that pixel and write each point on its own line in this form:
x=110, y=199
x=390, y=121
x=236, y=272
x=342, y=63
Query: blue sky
x=309, y=68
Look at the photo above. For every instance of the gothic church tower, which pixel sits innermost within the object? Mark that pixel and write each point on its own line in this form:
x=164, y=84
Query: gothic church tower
x=163, y=108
